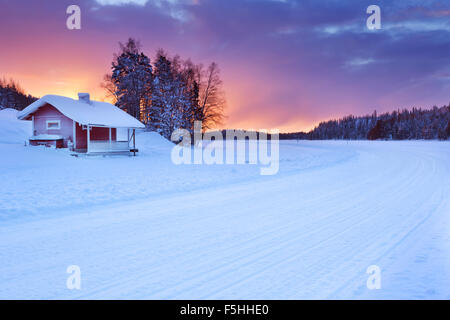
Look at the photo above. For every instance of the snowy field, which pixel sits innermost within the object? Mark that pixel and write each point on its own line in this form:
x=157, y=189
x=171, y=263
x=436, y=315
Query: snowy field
x=145, y=228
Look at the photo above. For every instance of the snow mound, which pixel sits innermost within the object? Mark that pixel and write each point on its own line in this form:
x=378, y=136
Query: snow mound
x=152, y=141
x=13, y=130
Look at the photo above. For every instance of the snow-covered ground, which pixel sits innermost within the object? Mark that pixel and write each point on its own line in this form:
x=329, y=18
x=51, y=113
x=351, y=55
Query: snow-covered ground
x=145, y=228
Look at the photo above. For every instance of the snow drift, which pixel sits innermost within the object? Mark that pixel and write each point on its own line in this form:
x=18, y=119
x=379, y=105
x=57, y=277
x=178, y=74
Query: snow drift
x=13, y=130
x=152, y=141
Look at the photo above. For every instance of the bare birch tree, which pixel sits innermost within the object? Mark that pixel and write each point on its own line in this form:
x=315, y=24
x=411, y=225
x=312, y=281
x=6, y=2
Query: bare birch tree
x=212, y=97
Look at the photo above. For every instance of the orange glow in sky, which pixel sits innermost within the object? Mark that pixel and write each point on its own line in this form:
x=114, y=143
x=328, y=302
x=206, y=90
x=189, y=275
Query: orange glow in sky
x=282, y=67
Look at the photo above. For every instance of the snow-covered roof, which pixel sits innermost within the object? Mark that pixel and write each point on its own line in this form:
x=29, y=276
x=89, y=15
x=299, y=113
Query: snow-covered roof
x=94, y=113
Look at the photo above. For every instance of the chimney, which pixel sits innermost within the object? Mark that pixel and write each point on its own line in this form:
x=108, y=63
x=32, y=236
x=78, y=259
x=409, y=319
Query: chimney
x=84, y=97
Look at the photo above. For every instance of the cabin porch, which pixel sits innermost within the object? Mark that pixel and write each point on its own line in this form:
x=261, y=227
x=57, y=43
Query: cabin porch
x=93, y=140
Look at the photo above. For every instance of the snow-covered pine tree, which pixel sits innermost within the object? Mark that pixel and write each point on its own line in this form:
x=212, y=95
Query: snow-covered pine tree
x=132, y=77
x=166, y=111
x=184, y=103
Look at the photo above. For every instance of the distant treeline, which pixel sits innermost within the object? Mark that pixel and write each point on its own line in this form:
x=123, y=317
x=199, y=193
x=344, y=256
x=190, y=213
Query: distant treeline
x=397, y=125
x=13, y=96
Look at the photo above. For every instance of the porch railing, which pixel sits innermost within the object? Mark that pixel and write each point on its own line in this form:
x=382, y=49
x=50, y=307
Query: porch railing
x=108, y=146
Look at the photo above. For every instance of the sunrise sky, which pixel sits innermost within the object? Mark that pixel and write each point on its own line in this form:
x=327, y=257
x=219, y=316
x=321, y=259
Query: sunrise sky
x=285, y=64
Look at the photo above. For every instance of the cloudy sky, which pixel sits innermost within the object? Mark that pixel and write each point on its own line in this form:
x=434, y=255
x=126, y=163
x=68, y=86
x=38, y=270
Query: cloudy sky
x=286, y=64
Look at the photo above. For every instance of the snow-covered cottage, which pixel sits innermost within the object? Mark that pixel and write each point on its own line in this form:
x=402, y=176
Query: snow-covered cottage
x=83, y=125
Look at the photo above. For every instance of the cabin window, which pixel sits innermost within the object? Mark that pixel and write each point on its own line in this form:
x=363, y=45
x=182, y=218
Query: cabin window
x=53, y=124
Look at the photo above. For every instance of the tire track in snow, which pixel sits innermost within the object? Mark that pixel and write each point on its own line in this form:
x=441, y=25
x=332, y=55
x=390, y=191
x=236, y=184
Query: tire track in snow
x=274, y=251
x=317, y=227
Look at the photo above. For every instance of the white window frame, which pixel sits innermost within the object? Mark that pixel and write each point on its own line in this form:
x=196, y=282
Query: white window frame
x=53, y=121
